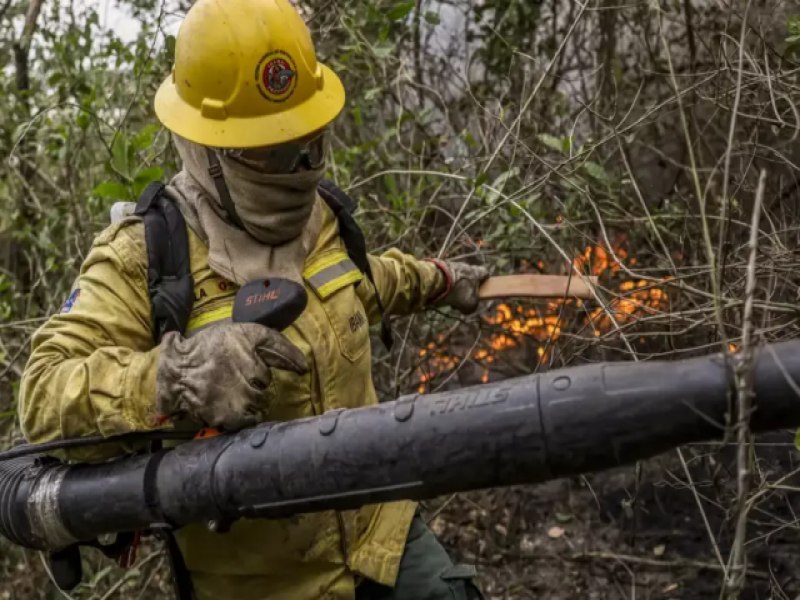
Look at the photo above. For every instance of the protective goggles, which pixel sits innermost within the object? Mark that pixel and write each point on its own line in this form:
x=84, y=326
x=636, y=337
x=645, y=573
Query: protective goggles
x=283, y=158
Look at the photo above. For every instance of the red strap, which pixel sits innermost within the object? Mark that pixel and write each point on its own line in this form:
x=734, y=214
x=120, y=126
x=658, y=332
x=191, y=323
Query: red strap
x=448, y=279
x=128, y=557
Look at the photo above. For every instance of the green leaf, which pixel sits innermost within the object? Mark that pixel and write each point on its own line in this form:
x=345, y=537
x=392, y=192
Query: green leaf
x=383, y=51
x=797, y=439
x=144, y=139
x=169, y=46
x=148, y=174
x=499, y=183
x=553, y=142
x=432, y=18
x=596, y=171
x=480, y=179
x=358, y=118
x=470, y=139
x=563, y=517
x=372, y=93
x=401, y=10
x=83, y=120
x=391, y=184
x=145, y=176
x=121, y=152
x=99, y=576
x=111, y=190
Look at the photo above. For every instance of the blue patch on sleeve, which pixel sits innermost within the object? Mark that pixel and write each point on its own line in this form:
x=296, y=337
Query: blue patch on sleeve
x=73, y=298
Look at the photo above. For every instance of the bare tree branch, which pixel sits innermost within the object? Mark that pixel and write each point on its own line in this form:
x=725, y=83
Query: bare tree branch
x=737, y=571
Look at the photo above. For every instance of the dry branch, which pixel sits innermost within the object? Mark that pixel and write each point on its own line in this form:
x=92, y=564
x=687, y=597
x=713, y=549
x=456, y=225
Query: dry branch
x=734, y=581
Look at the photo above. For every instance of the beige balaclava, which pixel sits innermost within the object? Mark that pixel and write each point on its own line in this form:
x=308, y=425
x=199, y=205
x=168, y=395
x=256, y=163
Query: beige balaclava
x=280, y=213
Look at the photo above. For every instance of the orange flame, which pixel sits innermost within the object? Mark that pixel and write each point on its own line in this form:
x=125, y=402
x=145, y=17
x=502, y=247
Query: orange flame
x=511, y=326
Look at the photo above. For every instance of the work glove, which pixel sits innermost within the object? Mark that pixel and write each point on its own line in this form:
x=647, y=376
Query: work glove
x=460, y=285
x=219, y=375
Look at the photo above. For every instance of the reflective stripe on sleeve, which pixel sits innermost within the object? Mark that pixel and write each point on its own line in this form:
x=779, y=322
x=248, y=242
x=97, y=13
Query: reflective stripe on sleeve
x=331, y=273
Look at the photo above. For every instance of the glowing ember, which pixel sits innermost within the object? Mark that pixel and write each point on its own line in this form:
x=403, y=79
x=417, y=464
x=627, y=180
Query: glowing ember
x=511, y=326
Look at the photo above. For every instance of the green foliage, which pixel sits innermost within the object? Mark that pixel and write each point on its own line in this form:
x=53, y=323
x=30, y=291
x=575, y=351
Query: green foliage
x=81, y=136
x=505, y=28
x=130, y=165
x=401, y=10
x=562, y=145
x=793, y=38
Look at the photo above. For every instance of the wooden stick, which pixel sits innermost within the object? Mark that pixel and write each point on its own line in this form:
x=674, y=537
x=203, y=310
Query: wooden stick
x=536, y=286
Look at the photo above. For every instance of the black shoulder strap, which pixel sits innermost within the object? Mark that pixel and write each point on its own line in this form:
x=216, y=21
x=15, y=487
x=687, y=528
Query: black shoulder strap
x=333, y=194
x=163, y=529
x=171, y=287
x=343, y=207
x=169, y=276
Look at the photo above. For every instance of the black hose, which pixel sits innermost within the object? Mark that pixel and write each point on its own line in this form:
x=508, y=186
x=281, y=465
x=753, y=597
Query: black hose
x=13, y=486
x=520, y=431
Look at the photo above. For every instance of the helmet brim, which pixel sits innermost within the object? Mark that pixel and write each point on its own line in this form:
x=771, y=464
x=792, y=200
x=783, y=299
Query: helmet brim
x=250, y=132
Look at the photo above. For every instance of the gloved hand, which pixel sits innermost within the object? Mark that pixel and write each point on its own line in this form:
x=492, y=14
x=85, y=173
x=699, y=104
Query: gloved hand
x=460, y=287
x=219, y=375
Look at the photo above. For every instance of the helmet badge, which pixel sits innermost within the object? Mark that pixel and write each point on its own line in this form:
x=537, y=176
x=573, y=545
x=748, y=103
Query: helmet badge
x=276, y=76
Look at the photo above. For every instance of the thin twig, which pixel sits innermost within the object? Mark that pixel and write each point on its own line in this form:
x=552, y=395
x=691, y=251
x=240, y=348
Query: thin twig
x=129, y=575
x=726, y=172
x=652, y=562
x=678, y=563
x=737, y=571
x=702, y=510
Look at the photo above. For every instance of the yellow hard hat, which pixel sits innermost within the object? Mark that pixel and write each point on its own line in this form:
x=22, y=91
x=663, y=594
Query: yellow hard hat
x=246, y=75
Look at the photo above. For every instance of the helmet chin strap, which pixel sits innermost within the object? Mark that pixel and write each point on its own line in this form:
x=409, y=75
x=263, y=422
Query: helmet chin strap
x=215, y=170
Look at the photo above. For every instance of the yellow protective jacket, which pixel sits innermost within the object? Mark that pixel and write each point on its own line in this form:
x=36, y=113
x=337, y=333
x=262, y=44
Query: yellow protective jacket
x=93, y=369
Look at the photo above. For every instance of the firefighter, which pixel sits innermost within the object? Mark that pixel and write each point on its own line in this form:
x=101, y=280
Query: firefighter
x=249, y=107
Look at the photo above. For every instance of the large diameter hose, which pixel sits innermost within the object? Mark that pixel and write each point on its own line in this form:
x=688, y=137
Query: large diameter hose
x=523, y=430
x=15, y=477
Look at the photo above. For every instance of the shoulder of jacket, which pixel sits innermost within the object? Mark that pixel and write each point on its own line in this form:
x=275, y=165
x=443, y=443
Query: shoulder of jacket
x=126, y=231
x=329, y=230
x=125, y=240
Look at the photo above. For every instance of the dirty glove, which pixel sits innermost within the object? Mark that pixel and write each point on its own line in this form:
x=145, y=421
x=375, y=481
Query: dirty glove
x=460, y=285
x=219, y=375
